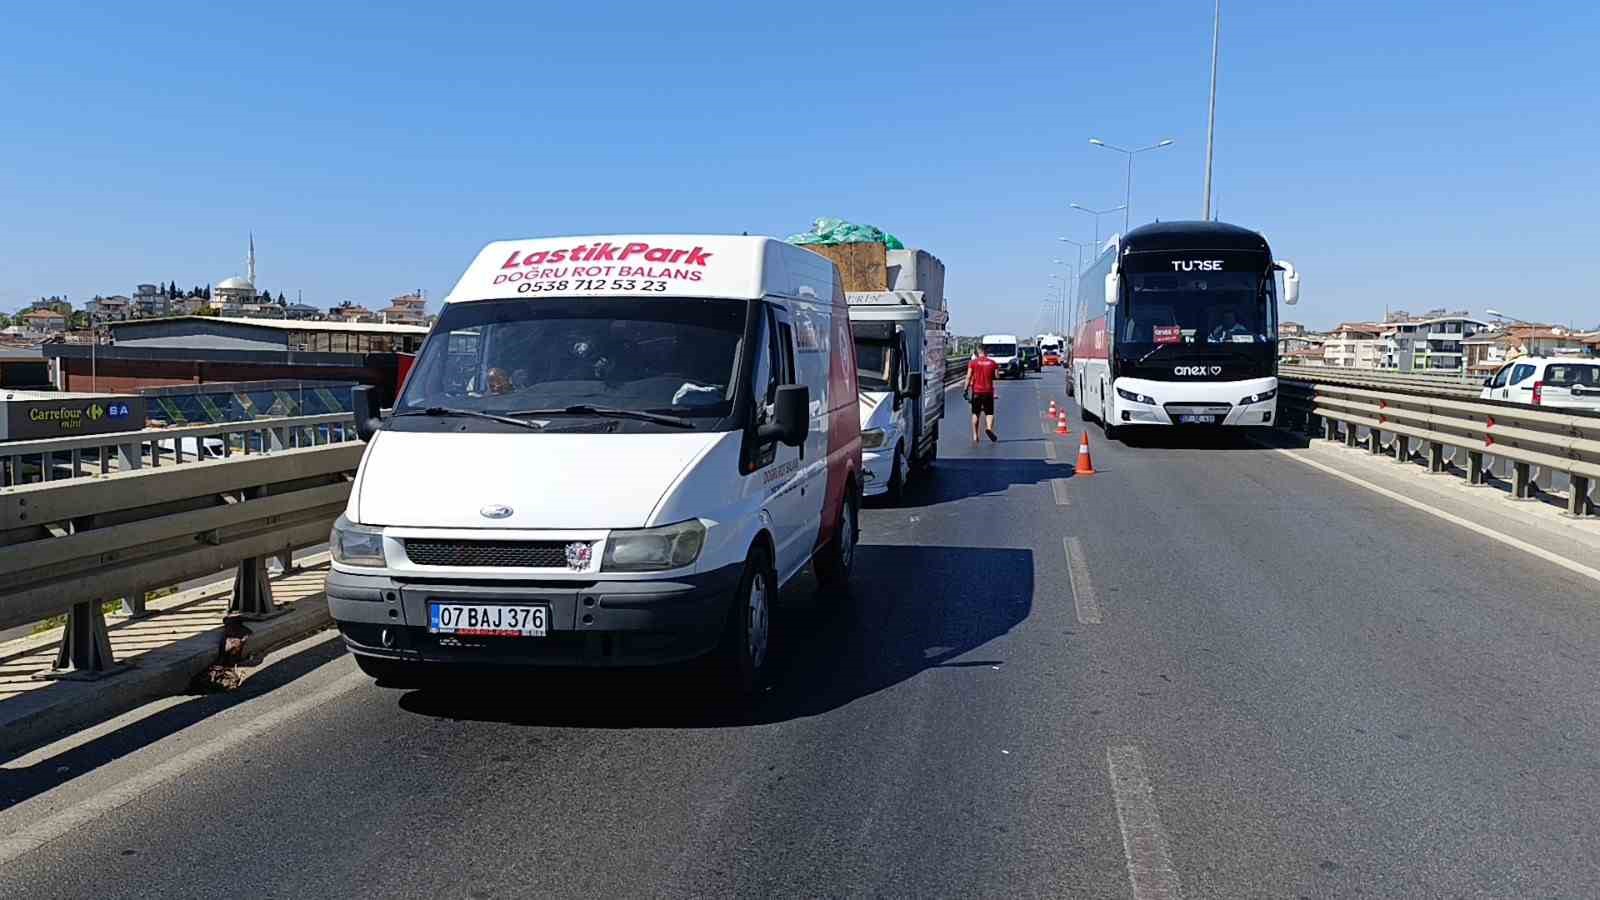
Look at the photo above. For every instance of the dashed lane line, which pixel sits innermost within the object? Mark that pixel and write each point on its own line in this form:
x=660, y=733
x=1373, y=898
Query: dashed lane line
x=1144, y=844
x=1083, y=596
x=1058, y=486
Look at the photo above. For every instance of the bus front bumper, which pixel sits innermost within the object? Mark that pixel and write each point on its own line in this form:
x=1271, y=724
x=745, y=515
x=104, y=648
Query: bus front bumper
x=1252, y=402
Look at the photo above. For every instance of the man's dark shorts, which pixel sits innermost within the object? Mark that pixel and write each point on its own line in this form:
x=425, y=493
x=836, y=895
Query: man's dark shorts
x=983, y=404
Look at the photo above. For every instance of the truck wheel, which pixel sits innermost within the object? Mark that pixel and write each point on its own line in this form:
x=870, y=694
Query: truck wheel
x=838, y=558
x=897, y=474
x=391, y=673
x=747, y=640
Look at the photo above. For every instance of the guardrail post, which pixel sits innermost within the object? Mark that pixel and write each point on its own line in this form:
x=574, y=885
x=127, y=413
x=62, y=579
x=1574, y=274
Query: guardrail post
x=1402, y=448
x=1350, y=435
x=85, y=652
x=277, y=439
x=133, y=604
x=1521, y=483
x=252, y=591
x=1578, y=496
x=1435, y=457
x=1375, y=442
x=129, y=457
x=1475, y=468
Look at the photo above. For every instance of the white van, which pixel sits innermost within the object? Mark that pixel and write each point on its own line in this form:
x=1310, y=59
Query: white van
x=611, y=450
x=1002, y=348
x=1563, y=382
x=900, y=346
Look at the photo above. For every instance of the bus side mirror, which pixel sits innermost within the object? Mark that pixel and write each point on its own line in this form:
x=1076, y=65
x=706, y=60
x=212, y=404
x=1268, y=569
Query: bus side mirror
x=1113, y=288
x=1291, y=282
x=914, y=385
x=365, y=409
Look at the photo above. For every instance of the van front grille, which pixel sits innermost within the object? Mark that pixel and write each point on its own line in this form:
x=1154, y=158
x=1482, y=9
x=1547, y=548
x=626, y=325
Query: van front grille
x=495, y=554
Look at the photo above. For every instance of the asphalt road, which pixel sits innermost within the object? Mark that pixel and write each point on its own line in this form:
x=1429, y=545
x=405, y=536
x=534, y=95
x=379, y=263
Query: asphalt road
x=1249, y=680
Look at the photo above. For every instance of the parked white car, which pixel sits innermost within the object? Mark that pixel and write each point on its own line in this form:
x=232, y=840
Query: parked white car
x=1563, y=382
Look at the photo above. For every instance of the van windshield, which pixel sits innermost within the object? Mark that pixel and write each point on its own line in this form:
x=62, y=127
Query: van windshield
x=670, y=355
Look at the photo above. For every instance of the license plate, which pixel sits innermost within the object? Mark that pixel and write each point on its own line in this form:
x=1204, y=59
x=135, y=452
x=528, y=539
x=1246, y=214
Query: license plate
x=1197, y=420
x=488, y=620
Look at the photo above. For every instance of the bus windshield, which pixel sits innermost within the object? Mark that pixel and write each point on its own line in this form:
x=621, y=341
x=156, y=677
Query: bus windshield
x=1198, y=308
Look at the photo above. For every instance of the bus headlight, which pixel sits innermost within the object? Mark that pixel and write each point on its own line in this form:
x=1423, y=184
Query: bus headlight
x=872, y=438
x=1136, y=398
x=1262, y=397
x=652, y=549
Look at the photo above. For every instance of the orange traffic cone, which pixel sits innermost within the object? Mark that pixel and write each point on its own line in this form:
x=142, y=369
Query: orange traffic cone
x=1052, y=409
x=1085, y=464
x=1061, y=423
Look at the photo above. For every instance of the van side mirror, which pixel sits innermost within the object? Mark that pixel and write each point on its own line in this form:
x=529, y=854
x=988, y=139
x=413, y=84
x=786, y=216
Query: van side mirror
x=914, y=386
x=792, y=420
x=1113, y=288
x=365, y=407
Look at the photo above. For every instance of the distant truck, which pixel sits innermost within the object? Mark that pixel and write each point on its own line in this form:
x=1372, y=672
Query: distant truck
x=900, y=340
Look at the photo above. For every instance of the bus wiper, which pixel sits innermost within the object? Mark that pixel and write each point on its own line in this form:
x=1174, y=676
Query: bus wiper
x=612, y=411
x=468, y=413
x=1158, y=348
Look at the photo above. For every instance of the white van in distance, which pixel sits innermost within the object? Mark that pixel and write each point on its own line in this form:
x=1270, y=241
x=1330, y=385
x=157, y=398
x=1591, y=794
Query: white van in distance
x=610, y=451
x=1002, y=348
x=1558, y=382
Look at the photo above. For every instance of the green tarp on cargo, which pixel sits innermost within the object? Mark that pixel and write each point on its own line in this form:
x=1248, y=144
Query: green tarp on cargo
x=828, y=230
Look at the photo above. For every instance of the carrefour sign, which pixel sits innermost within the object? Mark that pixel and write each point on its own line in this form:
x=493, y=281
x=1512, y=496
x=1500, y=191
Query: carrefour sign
x=38, y=416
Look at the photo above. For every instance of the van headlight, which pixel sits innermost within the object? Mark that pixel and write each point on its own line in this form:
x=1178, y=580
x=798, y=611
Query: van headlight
x=1262, y=397
x=653, y=549
x=872, y=438
x=1136, y=398
x=356, y=545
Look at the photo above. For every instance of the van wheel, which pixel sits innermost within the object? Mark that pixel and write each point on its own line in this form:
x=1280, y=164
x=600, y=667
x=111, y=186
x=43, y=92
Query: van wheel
x=747, y=640
x=835, y=562
x=391, y=673
x=897, y=475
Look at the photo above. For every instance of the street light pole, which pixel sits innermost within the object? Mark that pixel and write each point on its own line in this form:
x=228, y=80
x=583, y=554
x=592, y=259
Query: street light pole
x=1097, y=213
x=1127, y=199
x=1211, y=116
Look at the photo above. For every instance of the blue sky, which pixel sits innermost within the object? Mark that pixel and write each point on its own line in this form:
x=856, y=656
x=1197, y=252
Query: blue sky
x=1411, y=155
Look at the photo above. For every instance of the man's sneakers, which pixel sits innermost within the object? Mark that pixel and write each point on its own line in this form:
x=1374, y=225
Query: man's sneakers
x=992, y=436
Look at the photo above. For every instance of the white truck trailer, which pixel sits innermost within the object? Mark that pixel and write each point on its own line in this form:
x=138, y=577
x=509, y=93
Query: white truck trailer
x=900, y=343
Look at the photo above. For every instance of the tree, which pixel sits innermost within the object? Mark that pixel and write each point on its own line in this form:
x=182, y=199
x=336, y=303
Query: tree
x=172, y=290
x=282, y=300
x=206, y=294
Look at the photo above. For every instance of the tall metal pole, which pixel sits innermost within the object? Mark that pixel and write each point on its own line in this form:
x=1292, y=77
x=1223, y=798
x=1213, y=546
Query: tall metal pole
x=1211, y=115
x=1127, y=196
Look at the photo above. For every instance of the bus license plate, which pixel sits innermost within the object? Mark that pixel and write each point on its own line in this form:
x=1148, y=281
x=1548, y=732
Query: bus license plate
x=1197, y=420
x=488, y=620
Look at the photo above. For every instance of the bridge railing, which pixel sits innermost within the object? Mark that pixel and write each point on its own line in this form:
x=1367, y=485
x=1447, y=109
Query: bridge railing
x=1564, y=441
x=53, y=459
x=70, y=546
x=1450, y=384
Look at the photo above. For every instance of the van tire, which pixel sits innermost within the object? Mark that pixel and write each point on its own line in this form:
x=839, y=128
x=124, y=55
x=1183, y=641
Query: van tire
x=392, y=673
x=743, y=667
x=835, y=562
x=898, y=474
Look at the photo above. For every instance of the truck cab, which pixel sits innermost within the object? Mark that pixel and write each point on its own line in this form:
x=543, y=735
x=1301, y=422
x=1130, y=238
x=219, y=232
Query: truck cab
x=899, y=367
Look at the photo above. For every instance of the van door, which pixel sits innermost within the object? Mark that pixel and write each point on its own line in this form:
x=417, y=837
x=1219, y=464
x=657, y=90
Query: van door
x=1519, y=387
x=782, y=468
x=1572, y=385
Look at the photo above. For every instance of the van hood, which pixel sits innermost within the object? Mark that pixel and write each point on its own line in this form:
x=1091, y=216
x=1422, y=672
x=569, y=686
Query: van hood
x=877, y=409
x=554, y=481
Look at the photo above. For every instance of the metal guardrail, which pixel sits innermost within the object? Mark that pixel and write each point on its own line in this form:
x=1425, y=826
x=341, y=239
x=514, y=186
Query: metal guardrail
x=1453, y=385
x=71, y=546
x=54, y=459
x=1567, y=441
x=955, y=369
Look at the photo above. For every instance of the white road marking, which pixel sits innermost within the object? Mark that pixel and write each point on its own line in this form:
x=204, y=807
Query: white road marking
x=1083, y=596
x=1144, y=844
x=1050, y=450
x=43, y=832
x=1508, y=540
x=1059, y=487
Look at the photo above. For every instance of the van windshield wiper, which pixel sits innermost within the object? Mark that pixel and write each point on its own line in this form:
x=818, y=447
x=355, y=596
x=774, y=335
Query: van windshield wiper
x=468, y=413
x=611, y=411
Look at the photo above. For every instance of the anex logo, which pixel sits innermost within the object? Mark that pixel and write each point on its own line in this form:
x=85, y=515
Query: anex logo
x=1197, y=371
x=1197, y=265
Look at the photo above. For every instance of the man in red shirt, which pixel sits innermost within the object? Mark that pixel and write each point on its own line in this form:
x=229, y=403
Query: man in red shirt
x=980, y=391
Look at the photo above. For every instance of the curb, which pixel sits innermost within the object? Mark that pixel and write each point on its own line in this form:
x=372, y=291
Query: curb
x=39, y=716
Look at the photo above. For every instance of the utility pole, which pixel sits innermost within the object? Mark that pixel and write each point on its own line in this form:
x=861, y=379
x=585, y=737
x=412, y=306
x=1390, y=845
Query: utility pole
x=1211, y=117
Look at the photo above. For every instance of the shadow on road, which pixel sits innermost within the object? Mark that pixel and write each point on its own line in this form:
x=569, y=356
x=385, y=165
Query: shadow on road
x=963, y=477
x=1202, y=438
x=916, y=608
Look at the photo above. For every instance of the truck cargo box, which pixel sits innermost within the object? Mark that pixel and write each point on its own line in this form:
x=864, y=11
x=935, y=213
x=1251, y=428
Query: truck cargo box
x=862, y=267
x=915, y=270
